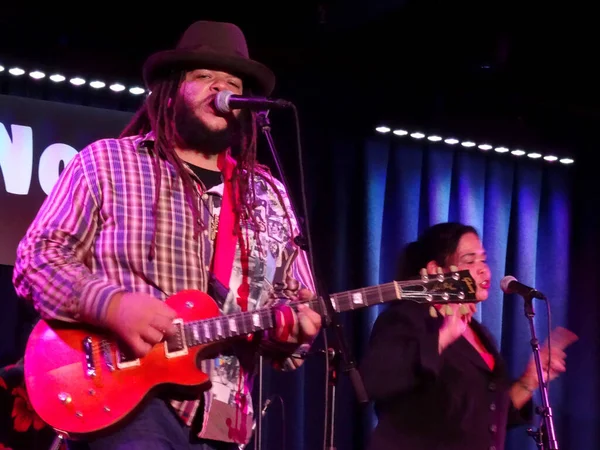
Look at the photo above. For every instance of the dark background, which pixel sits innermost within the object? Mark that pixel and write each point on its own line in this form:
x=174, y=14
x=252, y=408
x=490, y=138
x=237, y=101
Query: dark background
x=511, y=68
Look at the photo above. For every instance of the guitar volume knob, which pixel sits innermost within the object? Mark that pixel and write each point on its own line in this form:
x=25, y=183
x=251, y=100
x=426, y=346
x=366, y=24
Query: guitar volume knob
x=65, y=398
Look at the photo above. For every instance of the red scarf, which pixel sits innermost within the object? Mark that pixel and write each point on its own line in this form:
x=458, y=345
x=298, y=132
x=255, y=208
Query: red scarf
x=226, y=240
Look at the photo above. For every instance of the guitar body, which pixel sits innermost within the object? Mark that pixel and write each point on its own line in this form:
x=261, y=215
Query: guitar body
x=81, y=385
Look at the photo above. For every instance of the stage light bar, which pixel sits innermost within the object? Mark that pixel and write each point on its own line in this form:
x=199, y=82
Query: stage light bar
x=76, y=81
x=117, y=87
x=36, y=74
x=384, y=129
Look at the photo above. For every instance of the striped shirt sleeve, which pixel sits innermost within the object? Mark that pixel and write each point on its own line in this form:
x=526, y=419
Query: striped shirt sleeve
x=49, y=269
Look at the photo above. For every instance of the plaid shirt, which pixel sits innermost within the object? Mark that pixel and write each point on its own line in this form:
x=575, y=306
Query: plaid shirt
x=91, y=240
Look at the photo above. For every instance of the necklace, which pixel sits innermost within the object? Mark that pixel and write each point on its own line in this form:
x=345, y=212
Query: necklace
x=214, y=226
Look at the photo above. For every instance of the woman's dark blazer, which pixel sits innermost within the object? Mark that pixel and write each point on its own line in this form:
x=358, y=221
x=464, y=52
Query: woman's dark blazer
x=424, y=400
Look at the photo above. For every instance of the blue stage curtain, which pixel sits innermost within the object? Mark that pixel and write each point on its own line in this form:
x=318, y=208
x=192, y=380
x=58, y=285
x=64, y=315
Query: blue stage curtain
x=386, y=190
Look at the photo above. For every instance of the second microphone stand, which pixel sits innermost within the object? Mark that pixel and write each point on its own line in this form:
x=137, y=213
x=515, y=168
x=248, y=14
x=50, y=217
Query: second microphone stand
x=546, y=434
x=339, y=356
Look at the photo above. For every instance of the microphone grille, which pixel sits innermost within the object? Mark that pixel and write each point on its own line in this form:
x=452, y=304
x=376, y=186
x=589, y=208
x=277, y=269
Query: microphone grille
x=504, y=282
x=222, y=101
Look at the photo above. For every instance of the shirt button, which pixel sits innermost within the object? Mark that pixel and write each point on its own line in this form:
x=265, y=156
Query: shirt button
x=492, y=407
x=492, y=386
x=204, y=196
x=493, y=428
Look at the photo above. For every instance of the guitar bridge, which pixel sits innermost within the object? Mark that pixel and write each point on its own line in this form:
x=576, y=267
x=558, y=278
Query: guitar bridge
x=175, y=345
x=88, y=351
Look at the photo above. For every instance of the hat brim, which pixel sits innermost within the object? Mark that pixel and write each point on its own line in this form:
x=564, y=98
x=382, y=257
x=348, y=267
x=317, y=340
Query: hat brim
x=161, y=64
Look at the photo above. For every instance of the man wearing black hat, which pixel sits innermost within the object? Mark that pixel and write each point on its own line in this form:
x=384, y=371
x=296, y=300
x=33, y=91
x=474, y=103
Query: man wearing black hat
x=177, y=203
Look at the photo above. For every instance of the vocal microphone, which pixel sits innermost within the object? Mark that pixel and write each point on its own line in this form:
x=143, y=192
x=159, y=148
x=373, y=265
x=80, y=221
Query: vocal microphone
x=510, y=285
x=225, y=101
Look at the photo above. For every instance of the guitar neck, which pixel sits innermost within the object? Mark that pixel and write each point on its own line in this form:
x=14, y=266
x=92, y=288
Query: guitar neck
x=228, y=326
x=368, y=296
x=243, y=323
x=455, y=288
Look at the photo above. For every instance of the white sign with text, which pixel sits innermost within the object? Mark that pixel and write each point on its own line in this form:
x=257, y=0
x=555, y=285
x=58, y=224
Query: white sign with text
x=16, y=160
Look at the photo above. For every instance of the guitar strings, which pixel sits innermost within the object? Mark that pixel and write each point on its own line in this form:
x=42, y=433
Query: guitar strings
x=245, y=318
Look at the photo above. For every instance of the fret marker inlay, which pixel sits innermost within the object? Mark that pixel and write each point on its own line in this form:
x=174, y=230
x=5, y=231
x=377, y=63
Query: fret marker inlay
x=357, y=298
x=334, y=303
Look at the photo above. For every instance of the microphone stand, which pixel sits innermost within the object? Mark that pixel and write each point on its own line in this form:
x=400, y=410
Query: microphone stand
x=545, y=410
x=340, y=356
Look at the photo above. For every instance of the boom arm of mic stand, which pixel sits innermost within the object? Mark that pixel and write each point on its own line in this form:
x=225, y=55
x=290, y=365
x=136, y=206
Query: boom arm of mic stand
x=349, y=365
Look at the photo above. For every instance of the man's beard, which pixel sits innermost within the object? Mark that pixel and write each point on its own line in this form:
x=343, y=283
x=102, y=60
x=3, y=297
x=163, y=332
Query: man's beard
x=196, y=135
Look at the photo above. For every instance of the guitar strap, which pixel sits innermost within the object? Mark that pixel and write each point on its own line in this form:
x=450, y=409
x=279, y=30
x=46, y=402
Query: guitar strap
x=226, y=239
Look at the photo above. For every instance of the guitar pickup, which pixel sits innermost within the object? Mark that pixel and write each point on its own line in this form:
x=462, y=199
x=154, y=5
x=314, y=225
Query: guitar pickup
x=107, y=354
x=175, y=345
x=125, y=359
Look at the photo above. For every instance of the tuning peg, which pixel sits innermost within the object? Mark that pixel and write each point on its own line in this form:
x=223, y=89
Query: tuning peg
x=424, y=274
x=463, y=310
x=433, y=312
x=440, y=274
x=453, y=269
x=448, y=310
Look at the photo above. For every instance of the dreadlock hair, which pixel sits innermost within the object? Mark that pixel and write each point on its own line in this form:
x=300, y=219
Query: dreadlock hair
x=158, y=114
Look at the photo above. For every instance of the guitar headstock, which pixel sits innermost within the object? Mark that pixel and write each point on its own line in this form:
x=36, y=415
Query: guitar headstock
x=440, y=288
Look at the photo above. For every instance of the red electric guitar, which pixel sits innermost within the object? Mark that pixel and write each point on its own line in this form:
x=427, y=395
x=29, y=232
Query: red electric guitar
x=81, y=383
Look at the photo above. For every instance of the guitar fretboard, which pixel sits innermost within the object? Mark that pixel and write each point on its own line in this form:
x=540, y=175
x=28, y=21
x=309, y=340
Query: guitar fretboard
x=242, y=323
x=360, y=298
x=239, y=324
x=228, y=326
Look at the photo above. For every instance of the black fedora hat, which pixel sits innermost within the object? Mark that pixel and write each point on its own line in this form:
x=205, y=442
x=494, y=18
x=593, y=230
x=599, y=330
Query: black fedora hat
x=211, y=45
